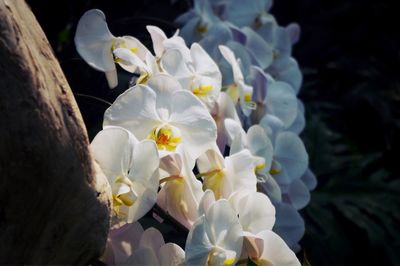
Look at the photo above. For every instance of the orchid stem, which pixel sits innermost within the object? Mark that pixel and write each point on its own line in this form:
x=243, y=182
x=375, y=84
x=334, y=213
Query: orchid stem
x=93, y=98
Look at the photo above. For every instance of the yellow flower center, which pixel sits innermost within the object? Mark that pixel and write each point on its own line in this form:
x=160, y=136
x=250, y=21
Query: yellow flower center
x=202, y=90
x=122, y=199
x=216, y=255
x=165, y=137
x=214, y=180
x=120, y=43
x=249, y=103
x=274, y=171
x=201, y=28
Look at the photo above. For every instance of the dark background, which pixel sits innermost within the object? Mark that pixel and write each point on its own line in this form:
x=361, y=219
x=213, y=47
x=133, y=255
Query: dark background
x=349, y=53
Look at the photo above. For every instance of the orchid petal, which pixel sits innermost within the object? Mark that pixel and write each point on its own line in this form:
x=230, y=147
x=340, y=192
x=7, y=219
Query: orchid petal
x=243, y=14
x=229, y=56
x=225, y=108
x=152, y=239
x=287, y=69
x=171, y=255
x=174, y=64
x=130, y=60
x=282, y=102
x=236, y=135
x=206, y=201
x=124, y=240
x=256, y=212
x=198, y=244
x=127, y=107
x=275, y=251
x=93, y=41
x=294, y=32
x=145, y=164
x=113, y=159
x=157, y=36
x=142, y=256
x=289, y=224
x=260, y=145
x=260, y=84
x=309, y=179
x=198, y=127
x=298, y=194
x=291, y=154
x=271, y=188
x=226, y=229
x=299, y=123
x=204, y=64
x=260, y=50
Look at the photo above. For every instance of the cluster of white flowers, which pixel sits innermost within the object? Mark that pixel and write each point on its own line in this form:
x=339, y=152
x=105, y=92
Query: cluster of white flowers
x=164, y=139
x=263, y=78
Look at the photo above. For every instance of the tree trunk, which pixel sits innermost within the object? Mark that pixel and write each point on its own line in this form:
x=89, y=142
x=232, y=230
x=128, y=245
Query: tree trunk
x=54, y=202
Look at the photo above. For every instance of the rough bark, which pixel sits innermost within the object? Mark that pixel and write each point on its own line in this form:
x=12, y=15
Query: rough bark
x=54, y=203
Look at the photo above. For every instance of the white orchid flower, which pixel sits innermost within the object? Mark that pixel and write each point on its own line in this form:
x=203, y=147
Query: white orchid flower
x=255, y=140
x=181, y=191
x=259, y=144
x=224, y=176
x=165, y=113
x=244, y=92
x=152, y=250
x=290, y=160
x=131, y=168
x=215, y=238
x=197, y=21
x=257, y=217
x=199, y=73
x=284, y=67
x=274, y=98
x=95, y=43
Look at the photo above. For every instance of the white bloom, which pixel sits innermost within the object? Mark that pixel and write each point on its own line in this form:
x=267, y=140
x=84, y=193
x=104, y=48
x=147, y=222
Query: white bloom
x=198, y=73
x=197, y=21
x=260, y=146
x=95, y=43
x=244, y=92
x=165, y=113
x=224, y=176
x=215, y=238
x=131, y=168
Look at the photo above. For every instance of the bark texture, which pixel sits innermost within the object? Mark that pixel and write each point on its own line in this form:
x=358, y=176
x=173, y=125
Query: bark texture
x=54, y=202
